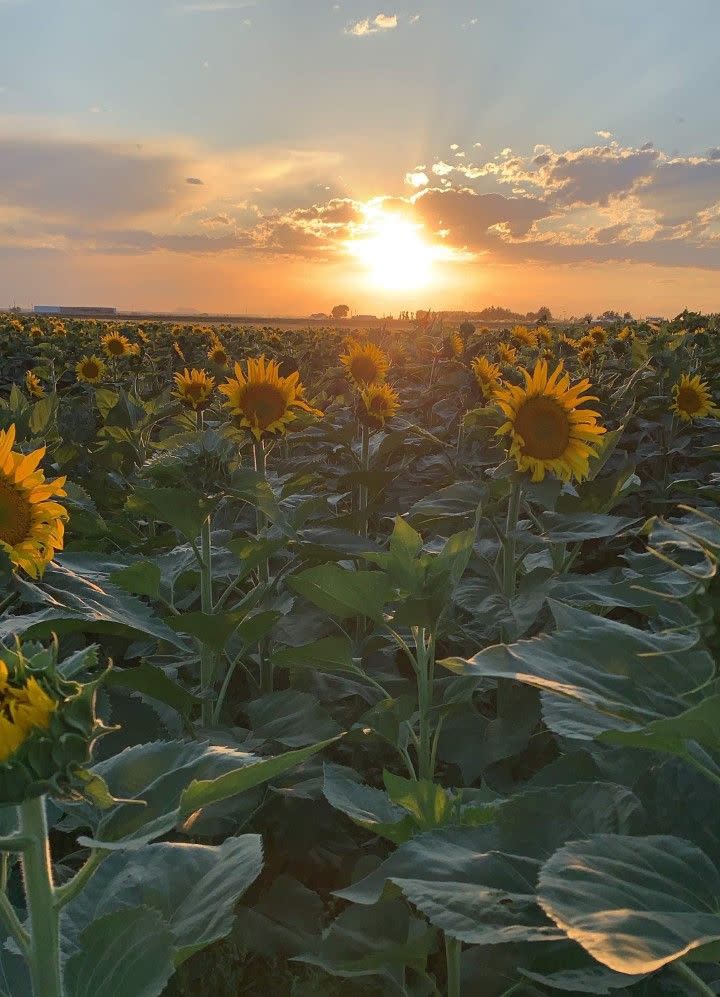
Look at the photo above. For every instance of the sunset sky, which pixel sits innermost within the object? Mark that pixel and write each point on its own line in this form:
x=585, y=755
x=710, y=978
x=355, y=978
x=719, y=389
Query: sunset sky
x=282, y=156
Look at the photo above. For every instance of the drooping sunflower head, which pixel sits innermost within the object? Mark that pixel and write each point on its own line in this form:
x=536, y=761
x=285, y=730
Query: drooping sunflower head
x=90, y=369
x=692, y=398
x=31, y=524
x=142, y=336
x=598, y=335
x=487, y=375
x=380, y=402
x=35, y=332
x=365, y=364
x=59, y=329
x=543, y=335
x=33, y=385
x=524, y=336
x=218, y=355
x=457, y=345
x=116, y=345
x=586, y=355
x=624, y=334
x=262, y=399
x=507, y=353
x=47, y=724
x=548, y=429
x=194, y=388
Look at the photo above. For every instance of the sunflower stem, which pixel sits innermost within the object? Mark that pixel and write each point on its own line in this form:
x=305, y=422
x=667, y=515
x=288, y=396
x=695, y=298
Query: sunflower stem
x=509, y=572
x=267, y=678
x=453, y=951
x=695, y=984
x=44, y=950
x=365, y=467
x=207, y=656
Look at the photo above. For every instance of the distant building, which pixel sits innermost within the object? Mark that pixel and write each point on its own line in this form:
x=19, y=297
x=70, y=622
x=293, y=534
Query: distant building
x=77, y=311
x=655, y=318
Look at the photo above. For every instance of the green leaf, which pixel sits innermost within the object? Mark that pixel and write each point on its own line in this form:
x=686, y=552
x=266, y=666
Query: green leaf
x=701, y=723
x=180, y=507
x=193, y=887
x=368, y=807
x=286, y=921
x=153, y=682
x=329, y=654
x=141, y=578
x=634, y=903
x=428, y=803
x=290, y=717
x=344, y=593
x=127, y=952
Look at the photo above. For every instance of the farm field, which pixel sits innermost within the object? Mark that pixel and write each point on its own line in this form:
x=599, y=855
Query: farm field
x=359, y=661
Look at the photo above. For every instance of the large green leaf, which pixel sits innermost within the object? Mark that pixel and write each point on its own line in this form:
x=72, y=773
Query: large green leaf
x=127, y=952
x=182, y=508
x=634, y=903
x=329, y=654
x=194, y=887
x=344, y=593
x=290, y=717
x=368, y=807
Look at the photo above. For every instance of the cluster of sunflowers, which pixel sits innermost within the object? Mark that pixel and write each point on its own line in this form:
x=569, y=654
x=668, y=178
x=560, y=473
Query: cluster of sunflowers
x=367, y=366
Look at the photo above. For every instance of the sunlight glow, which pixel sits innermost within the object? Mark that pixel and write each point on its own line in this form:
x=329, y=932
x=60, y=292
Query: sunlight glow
x=394, y=251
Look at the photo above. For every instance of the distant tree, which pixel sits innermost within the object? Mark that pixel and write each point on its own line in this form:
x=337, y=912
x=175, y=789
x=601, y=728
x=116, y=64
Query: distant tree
x=610, y=316
x=466, y=328
x=627, y=317
x=544, y=314
x=341, y=311
x=587, y=318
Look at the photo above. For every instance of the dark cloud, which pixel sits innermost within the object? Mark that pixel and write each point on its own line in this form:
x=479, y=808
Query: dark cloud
x=468, y=215
x=196, y=181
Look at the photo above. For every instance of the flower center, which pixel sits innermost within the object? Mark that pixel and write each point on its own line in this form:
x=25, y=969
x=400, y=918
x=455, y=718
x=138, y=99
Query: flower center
x=195, y=391
x=263, y=404
x=544, y=427
x=90, y=369
x=15, y=515
x=363, y=369
x=116, y=347
x=688, y=400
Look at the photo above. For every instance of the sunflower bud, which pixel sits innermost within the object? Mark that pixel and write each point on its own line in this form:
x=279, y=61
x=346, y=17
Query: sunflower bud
x=47, y=725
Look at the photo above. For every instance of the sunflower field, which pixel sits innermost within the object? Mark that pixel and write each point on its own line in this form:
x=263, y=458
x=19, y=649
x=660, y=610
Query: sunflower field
x=357, y=662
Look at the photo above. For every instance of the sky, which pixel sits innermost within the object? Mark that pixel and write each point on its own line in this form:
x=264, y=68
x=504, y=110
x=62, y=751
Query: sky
x=278, y=157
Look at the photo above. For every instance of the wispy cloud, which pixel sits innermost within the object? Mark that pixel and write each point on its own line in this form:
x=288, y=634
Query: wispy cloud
x=213, y=6
x=372, y=26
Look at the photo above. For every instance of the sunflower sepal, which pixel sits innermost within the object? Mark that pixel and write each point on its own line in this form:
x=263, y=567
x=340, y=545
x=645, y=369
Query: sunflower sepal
x=48, y=725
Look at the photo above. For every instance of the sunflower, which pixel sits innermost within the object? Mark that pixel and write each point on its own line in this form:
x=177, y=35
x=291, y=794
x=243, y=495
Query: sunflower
x=23, y=708
x=33, y=385
x=142, y=336
x=487, y=375
x=585, y=343
x=263, y=399
x=217, y=354
x=598, y=335
x=58, y=329
x=457, y=345
x=544, y=335
x=524, y=336
x=365, y=363
x=381, y=401
x=692, y=398
x=35, y=332
x=194, y=388
x=90, y=369
x=178, y=350
x=507, y=353
x=586, y=356
x=116, y=345
x=624, y=334
x=548, y=429
x=31, y=526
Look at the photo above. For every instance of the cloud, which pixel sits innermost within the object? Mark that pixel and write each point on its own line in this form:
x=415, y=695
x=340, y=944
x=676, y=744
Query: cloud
x=372, y=26
x=417, y=178
x=196, y=181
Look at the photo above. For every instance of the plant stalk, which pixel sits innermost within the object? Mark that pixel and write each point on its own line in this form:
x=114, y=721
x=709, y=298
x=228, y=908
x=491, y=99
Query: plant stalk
x=44, y=956
x=365, y=466
x=509, y=572
x=693, y=981
x=267, y=678
x=207, y=656
x=453, y=950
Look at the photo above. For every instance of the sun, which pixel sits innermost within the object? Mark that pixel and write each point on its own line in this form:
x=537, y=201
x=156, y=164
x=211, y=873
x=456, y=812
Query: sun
x=394, y=252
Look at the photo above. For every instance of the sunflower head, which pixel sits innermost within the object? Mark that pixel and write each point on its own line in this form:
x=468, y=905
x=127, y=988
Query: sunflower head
x=116, y=345
x=380, y=402
x=507, y=353
x=35, y=332
x=487, y=375
x=543, y=335
x=59, y=329
x=194, y=388
x=598, y=335
x=365, y=364
x=524, y=336
x=585, y=343
x=218, y=355
x=178, y=350
x=586, y=355
x=624, y=334
x=262, y=399
x=457, y=345
x=90, y=369
x=31, y=523
x=547, y=428
x=692, y=399
x=47, y=725
x=33, y=385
